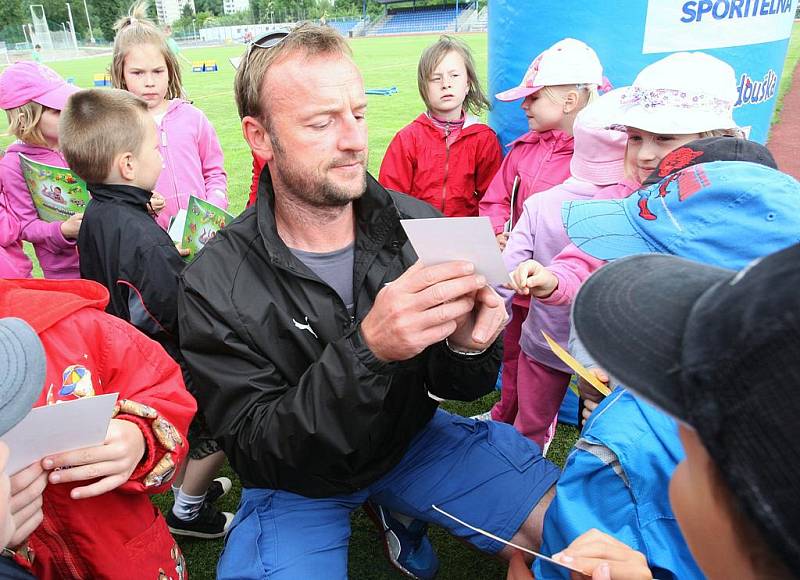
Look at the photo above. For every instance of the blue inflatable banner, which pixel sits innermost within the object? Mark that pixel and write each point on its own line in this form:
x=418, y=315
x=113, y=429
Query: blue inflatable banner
x=751, y=35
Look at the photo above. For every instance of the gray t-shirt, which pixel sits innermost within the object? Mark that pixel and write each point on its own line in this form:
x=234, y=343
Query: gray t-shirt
x=334, y=268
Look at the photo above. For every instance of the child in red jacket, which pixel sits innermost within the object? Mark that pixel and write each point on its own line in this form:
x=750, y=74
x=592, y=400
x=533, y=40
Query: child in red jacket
x=445, y=156
x=98, y=518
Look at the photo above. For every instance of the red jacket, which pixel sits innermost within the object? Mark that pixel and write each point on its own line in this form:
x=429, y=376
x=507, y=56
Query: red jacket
x=452, y=179
x=119, y=534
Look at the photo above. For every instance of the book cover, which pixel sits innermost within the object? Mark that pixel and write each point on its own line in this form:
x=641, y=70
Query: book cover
x=203, y=221
x=57, y=192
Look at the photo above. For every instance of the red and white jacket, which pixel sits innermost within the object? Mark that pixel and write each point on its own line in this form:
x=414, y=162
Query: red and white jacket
x=119, y=534
x=452, y=178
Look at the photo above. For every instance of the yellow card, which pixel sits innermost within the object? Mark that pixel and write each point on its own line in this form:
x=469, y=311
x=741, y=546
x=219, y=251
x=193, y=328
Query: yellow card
x=581, y=370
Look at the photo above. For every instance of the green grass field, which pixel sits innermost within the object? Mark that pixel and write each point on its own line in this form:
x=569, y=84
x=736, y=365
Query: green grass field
x=385, y=62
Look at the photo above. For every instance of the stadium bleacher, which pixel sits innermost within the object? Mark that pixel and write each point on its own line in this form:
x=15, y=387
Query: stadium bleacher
x=428, y=19
x=344, y=26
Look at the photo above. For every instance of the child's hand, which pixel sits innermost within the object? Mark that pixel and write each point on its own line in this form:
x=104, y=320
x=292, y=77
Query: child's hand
x=181, y=250
x=112, y=462
x=25, y=506
x=157, y=203
x=71, y=226
x=532, y=278
x=502, y=239
x=605, y=558
x=587, y=390
x=588, y=409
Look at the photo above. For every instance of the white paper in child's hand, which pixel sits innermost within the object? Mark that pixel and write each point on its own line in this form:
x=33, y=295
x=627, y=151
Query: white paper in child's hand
x=57, y=428
x=468, y=239
x=177, y=226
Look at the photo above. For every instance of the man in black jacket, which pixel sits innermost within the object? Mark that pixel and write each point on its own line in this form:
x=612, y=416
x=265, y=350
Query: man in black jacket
x=317, y=338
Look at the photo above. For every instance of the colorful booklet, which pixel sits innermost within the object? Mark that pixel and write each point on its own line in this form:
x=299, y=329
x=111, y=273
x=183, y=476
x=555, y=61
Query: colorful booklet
x=201, y=222
x=57, y=192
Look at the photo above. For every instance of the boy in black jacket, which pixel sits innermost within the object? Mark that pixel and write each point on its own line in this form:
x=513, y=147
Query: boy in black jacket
x=110, y=140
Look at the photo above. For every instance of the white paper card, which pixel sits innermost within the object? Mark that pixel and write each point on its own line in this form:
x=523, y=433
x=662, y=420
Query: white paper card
x=177, y=225
x=439, y=240
x=57, y=428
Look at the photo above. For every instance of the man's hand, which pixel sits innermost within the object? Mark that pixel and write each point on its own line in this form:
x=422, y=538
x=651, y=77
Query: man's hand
x=532, y=278
x=71, y=226
x=25, y=506
x=111, y=463
x=157, y=203
x=502, y=240
x=605, y=558
x=478, y=329
x=422, y=307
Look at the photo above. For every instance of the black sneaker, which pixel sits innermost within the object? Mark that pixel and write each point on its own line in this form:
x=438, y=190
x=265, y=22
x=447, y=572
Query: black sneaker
x=210, y=523
x=218, y=488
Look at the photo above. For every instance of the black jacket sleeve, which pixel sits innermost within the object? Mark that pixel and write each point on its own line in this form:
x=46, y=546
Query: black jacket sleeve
x=463, y=378
x=155, y=280
x=258, y=417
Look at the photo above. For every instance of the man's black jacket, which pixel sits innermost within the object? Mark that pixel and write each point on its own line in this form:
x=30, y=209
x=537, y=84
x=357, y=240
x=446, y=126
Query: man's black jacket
x=288, y=387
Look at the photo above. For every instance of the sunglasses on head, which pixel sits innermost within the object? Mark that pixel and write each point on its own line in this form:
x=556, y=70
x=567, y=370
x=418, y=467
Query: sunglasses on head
x=268, y=40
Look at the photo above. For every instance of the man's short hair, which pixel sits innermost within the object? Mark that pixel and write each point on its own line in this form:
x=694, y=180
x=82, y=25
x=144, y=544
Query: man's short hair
x=96, y=126
x=307, y=39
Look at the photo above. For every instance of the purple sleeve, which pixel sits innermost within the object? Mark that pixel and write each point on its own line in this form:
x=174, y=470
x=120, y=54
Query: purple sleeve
x=572, y=267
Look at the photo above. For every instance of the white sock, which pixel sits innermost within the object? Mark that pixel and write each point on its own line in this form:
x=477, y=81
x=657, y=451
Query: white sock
x=187, y=507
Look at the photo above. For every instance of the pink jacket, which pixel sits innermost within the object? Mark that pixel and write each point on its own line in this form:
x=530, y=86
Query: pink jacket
x=13, y=261
x=192, y=160
x=572, y=266
x=541, y=160
x=540, y=235
x=58, y=256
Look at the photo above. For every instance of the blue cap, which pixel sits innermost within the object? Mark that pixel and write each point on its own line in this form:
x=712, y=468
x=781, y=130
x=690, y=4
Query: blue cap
x=22, y=359
x=725, y=212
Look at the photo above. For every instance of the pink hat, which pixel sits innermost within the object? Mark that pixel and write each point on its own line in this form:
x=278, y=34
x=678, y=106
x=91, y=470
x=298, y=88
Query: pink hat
x=567, y=62
x=28, y=81
x=599, y=156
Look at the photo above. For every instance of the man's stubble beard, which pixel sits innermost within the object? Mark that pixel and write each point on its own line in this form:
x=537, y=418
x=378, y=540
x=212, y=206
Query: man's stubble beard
x=320, y=192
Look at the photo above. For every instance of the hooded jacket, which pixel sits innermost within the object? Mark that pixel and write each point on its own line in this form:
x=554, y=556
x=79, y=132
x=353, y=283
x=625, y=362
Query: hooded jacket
x=539, y=160
x=193, y=162
x=288, y=387
x=452, y=178
x=118, y=534
x=122, y=248
x=57, y=255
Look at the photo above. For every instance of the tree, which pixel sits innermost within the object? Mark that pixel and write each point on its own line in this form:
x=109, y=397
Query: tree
x=212, y=6
x=106, y=12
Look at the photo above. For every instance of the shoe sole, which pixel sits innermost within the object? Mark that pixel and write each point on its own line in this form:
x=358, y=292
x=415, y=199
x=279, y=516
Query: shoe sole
x=203, y=535
x=376, y=519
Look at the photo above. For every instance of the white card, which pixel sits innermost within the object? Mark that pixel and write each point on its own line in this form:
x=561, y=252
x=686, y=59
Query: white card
x=439, y=240
x=56, y=428
x=176, y=227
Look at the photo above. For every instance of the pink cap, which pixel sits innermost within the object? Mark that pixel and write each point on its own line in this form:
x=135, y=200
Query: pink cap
x=599, y=156
x=567, y=62
x=28, y=81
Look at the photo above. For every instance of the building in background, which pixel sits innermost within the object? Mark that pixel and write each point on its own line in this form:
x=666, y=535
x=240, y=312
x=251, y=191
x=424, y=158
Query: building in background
x=233, y=6
x=170, y=10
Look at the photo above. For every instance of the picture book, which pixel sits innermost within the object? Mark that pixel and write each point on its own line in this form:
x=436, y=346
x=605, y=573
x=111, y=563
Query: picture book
x=203, y=221
x=57, y=192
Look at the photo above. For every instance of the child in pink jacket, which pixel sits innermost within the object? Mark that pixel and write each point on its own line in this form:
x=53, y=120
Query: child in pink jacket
x=143, y=64
x=676, y=100
x=597, y=166
x=558, y=84
x=33, y=96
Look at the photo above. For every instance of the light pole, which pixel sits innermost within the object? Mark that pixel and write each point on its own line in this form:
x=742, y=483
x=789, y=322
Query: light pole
x=194, y=32
x=89, y=22
x=72, y=27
